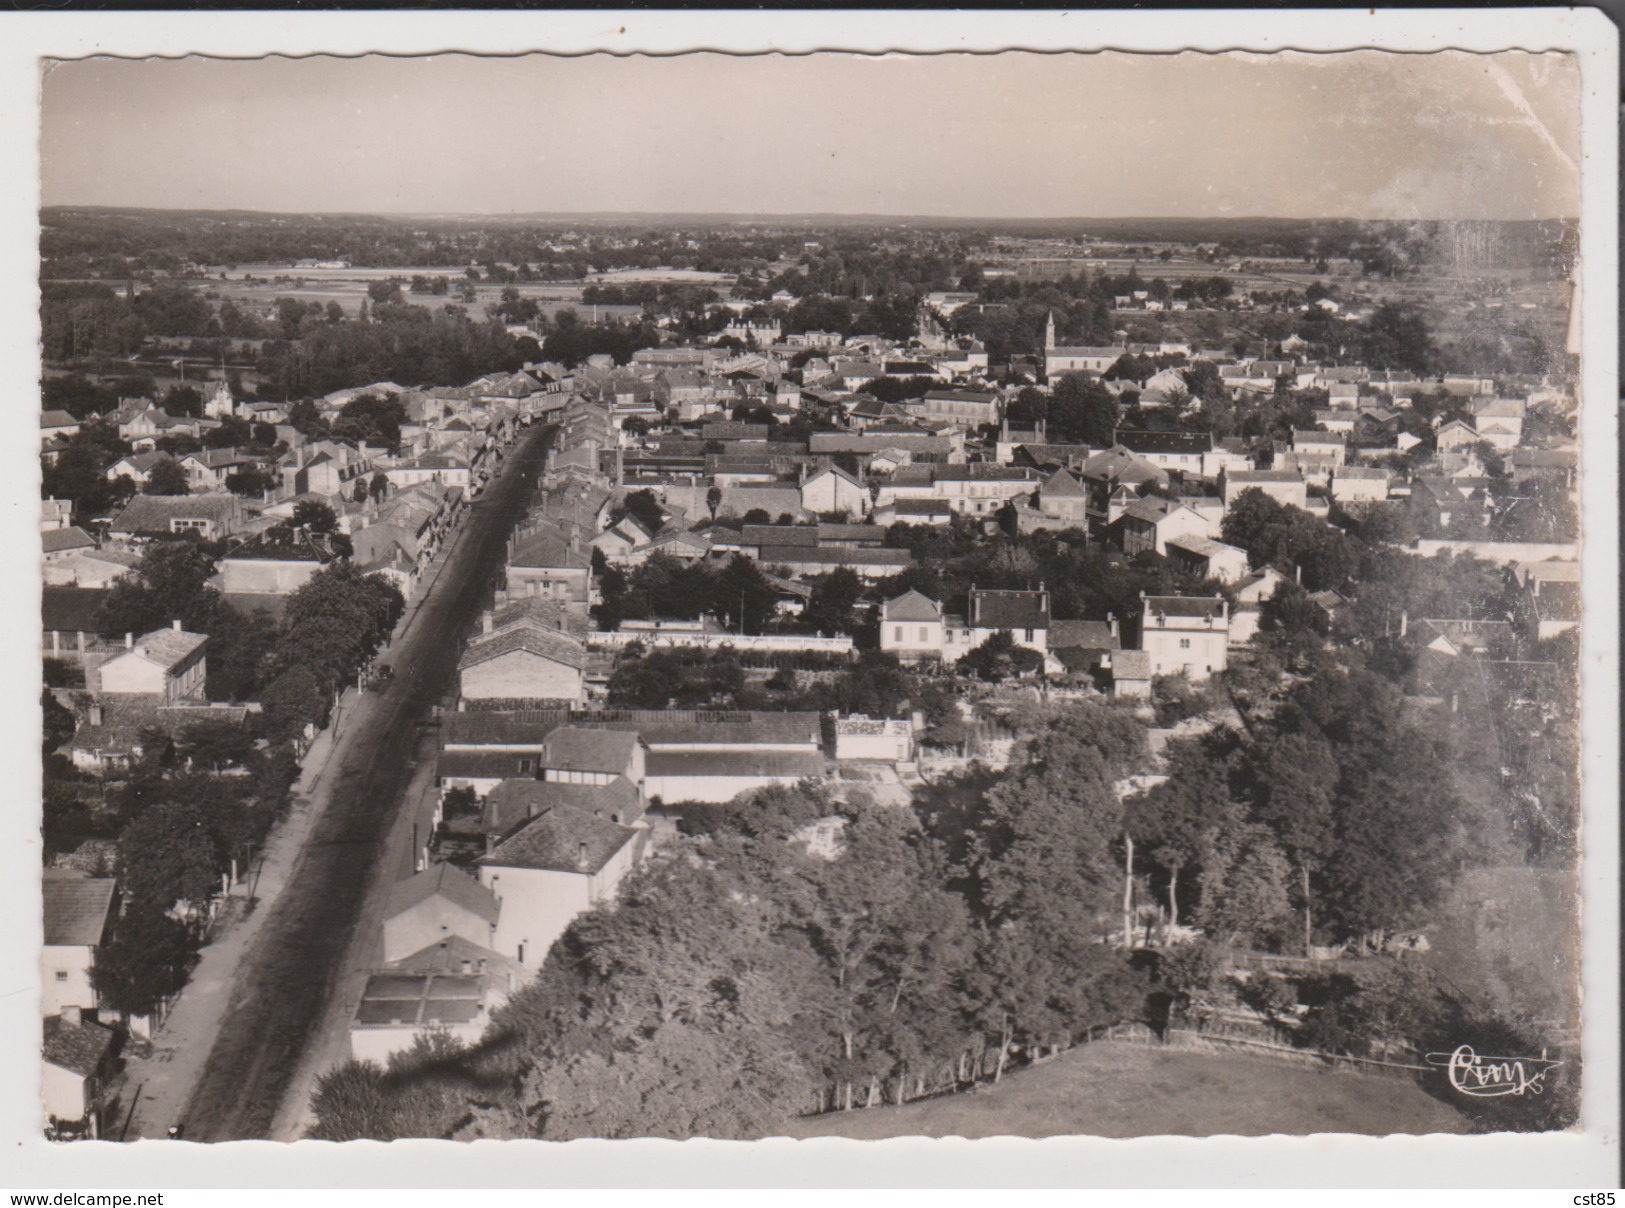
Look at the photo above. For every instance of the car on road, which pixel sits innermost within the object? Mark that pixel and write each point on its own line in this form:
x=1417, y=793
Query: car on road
x=382, y=676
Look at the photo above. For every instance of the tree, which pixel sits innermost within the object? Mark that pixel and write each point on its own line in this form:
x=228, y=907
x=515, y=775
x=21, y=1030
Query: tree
x=1168, y=821
x=999, y=657
x=643, y=507
x=744, y=598
x=1082, y=411
x=146, y=961
x=314, y=515
x=166, y=855
x=250, y=481
x=166, y=478
x=1244, y=881
x=1295, y=779
x=291, y=701
x=170, y=583
x=832, y=606
x=422, y=1094
x=217, y=744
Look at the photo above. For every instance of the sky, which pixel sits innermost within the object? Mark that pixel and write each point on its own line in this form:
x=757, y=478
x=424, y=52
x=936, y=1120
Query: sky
x=1365, y=134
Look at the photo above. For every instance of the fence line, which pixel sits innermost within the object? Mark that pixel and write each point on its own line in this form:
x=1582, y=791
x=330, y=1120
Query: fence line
x=1185, y=1038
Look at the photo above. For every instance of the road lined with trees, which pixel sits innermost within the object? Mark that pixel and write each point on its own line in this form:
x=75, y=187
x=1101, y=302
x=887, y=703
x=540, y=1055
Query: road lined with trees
x=287, y=976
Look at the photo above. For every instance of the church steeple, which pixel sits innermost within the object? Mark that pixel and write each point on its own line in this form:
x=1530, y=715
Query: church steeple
x=1049, y=332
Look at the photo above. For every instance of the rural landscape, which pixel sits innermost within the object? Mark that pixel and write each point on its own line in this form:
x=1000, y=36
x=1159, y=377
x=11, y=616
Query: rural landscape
x=661, y=673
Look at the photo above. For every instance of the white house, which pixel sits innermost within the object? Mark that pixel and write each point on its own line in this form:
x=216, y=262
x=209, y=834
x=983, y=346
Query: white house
x=526, y=661
x=560, y=863
x=1185, y=634
x=1209, y=558
x=76, y=1061
x=79, y=913
x=167, y=663
x=832, y=489
x=911, y=627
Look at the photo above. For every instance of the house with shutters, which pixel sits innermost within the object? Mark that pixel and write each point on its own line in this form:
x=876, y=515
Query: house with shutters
x=548, y=561
x=1185, y=453
x=1062, y=502
x=1187, y=635
x=1024, y=615
x=911, y=627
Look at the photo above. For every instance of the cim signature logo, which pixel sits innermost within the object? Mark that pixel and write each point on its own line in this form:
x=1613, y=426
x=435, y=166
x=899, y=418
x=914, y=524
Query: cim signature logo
x=1489, y=1077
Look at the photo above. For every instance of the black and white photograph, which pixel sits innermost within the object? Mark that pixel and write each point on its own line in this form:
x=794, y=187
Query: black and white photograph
x=815, y=595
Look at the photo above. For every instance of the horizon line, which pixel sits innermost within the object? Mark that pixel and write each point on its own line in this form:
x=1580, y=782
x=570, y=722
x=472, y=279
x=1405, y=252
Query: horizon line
x=757, y=215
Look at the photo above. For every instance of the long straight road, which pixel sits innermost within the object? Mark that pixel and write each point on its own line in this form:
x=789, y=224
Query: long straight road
x=287, y=977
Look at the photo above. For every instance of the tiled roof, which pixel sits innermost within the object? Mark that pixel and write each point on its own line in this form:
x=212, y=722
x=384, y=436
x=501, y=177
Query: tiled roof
x=839, y=556
x=1187, y=443
x=515, y=801
x=76, y=908
x=56, y=541
x=80, y=1048
x=538, y=610
x=1009, y=609
x=1062, y=485
x=736, y=763
x=1091, y=635
x=529, y=637
x=1204, y=547
x=1151, y=510
x=56, y=419
x=547, y=551
x=444, y=881
x=779, y=534
x=582, y=749
x=1185, y=606
x=1131, y=665
x=564, y=839
x=447, y=956
x=912, y=606
x=152, y=513
x=168, y=648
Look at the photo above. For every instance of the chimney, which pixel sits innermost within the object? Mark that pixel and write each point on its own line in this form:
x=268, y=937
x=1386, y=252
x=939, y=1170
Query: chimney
x=1111, y=620
x=129, y=641
x=581, y=856
x=72, y=1017
x=1297, y=574
x=177, y=624
x=95, y=713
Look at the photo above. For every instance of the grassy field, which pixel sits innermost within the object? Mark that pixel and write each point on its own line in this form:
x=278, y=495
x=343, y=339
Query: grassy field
x=1122, y=1090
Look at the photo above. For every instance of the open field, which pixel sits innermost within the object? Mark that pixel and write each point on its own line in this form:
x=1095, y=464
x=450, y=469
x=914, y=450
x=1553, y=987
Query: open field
x=1111, y=1089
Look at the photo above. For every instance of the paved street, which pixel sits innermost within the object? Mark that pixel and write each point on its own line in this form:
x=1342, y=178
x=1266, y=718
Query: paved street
x=293, y=962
